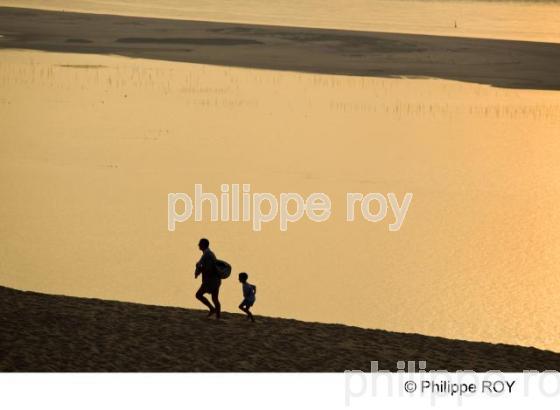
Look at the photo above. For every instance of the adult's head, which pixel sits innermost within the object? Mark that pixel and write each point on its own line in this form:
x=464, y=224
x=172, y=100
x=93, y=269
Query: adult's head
x=203, y=244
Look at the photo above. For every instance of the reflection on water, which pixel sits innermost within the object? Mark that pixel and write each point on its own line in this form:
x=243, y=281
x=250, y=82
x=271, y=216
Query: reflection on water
x=522, y=20
x=91, y=145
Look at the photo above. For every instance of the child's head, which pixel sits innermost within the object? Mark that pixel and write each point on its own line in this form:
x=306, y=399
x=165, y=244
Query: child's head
x=243, y=277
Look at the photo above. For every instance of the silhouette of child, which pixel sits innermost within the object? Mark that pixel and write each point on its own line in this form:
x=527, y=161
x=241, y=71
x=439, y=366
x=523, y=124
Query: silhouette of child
x=249, y=292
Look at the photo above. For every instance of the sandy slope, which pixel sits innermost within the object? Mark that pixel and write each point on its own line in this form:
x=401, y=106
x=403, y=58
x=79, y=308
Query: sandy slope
x=502, y=63
x=58, y=333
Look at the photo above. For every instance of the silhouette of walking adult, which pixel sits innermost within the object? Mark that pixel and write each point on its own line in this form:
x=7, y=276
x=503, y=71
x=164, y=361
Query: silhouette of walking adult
x=211, y=281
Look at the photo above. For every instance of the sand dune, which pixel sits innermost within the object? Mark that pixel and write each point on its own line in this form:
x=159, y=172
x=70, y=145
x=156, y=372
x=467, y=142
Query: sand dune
x=58, y=333
x=501, y=63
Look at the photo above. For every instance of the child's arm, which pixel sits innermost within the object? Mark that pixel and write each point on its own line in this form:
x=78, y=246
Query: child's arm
x=254, y=289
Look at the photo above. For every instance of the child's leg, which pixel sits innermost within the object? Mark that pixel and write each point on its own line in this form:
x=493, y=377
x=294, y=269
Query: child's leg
x=249, y=313
x=242, y=307
x=245, y=309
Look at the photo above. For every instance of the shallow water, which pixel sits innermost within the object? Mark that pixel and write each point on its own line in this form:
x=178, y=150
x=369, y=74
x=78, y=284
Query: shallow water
x=92, y=145
x=519, y=20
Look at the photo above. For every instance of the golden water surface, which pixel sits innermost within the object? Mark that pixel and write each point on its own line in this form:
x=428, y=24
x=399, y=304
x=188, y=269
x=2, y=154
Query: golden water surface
x=92, y=145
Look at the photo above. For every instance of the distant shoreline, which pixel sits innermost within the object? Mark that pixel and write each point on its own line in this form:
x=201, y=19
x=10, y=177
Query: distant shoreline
x=43, y=333
x=387, y=15
x=498, y=63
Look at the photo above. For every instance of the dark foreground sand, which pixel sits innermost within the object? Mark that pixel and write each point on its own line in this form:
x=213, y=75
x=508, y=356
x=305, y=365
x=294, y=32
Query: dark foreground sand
x=58, y=333
x=500, y=63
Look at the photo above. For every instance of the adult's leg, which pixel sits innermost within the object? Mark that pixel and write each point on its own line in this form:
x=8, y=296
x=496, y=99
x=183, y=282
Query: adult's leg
x=200, y=296
x=216, y=300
